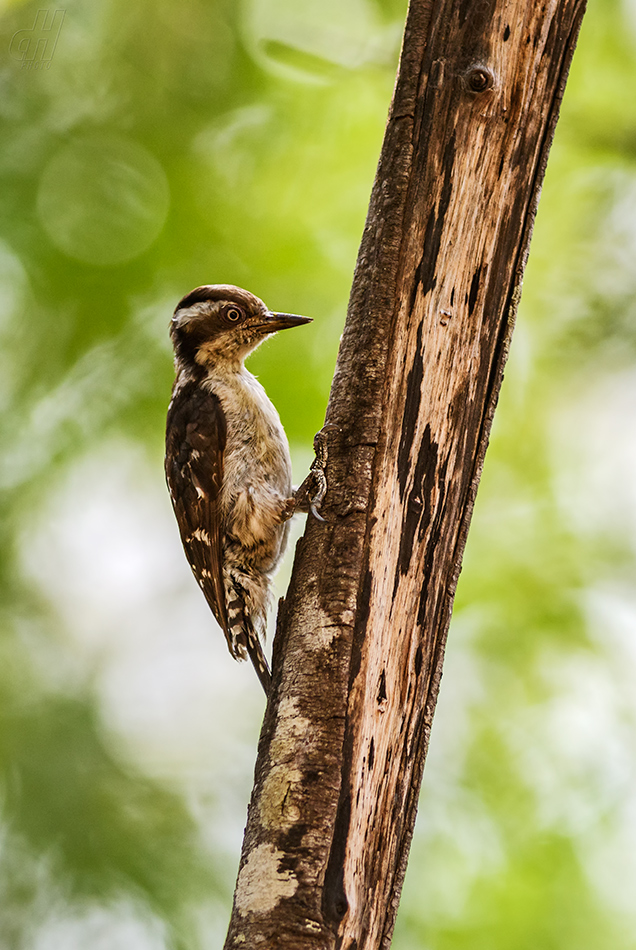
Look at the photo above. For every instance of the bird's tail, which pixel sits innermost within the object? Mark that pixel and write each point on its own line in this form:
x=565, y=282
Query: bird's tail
x=243, y=638
x=256, y=655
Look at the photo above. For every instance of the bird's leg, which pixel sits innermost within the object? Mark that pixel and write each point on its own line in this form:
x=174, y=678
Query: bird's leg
x=310, y=495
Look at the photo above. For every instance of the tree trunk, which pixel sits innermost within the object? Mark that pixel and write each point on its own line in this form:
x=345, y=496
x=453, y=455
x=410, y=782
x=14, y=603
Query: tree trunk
x=360, y=640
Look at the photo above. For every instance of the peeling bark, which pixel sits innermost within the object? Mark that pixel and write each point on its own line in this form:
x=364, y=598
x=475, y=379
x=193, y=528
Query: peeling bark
x=360, y=638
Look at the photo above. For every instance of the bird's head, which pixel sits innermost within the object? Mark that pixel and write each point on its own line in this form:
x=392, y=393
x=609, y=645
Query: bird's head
x=220, y=323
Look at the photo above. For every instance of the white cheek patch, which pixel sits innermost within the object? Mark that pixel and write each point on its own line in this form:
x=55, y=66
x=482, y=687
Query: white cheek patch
x=186, y=314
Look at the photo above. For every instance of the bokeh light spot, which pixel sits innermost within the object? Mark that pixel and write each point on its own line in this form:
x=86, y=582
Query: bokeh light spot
x=103, y=199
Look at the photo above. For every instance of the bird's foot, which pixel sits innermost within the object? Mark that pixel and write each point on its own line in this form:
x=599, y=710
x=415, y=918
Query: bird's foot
x=310, y=495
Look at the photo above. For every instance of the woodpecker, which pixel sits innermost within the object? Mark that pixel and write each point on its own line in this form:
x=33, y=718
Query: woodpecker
x=227, y=460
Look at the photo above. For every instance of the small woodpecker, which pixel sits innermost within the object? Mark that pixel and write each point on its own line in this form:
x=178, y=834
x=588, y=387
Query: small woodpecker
x=227, y=461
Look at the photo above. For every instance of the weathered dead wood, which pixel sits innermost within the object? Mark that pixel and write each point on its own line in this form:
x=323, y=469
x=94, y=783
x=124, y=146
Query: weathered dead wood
x=360, y=639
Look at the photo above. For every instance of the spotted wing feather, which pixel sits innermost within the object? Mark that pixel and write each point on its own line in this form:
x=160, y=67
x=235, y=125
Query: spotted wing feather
x=196, y=434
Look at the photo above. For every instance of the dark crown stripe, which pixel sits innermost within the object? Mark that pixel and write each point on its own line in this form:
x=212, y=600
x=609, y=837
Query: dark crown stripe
x=215, y=292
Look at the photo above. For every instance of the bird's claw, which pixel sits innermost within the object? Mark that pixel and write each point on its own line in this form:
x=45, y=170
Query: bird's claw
x=314, y=511
x=317, y=476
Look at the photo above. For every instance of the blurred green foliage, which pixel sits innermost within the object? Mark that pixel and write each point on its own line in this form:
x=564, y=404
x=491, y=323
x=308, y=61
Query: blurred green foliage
x=164, y=146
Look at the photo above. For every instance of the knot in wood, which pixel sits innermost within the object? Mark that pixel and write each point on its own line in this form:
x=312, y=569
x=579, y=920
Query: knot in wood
x=479, y=78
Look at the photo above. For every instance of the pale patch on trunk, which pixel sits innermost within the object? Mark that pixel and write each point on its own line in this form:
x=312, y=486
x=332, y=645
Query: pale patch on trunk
x=290, y=728
x=261, y=885
x=277, y=806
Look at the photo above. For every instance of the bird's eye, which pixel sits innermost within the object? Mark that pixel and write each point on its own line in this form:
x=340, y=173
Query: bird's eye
x=234, y=314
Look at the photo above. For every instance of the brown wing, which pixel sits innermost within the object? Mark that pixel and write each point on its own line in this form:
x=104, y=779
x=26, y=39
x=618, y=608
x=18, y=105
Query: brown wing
x=196, y=433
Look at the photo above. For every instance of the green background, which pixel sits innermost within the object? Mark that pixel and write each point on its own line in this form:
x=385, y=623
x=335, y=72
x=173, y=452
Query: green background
x=166, y=145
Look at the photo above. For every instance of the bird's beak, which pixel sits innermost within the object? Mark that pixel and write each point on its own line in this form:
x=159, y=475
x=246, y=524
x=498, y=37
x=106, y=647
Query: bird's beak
x=281, y=321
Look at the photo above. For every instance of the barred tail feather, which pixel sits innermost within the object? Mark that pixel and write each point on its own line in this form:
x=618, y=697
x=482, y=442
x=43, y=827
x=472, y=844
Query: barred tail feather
x=236, y=623
x=256, y=655
x=243, y=639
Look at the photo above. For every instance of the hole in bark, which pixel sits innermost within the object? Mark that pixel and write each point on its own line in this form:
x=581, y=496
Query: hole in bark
x=479, y=79
x=382, y=689
x=418, y=660
x=506, y=33
x=371, y=755
x=474, y=290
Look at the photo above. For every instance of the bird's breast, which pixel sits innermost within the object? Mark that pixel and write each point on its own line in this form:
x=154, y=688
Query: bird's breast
x=256, y=463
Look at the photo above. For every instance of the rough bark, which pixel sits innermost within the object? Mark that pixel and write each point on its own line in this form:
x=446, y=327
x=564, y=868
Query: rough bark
x=360, y=639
